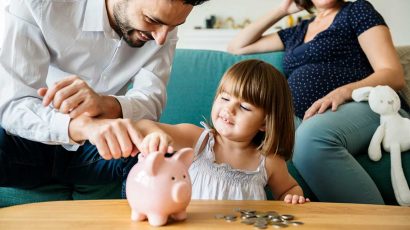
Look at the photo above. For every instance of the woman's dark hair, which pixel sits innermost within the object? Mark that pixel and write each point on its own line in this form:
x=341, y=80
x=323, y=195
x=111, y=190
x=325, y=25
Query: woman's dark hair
x=194, y=2
x=308, y=4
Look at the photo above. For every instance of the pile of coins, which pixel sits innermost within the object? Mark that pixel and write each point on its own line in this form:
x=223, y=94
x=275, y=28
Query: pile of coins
x=261, y=220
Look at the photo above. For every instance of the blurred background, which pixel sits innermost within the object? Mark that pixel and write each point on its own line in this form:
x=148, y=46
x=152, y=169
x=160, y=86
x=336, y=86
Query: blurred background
x=213, y=24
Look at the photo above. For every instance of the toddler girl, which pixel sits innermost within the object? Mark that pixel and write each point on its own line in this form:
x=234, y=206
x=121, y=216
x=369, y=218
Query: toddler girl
x=246, y=148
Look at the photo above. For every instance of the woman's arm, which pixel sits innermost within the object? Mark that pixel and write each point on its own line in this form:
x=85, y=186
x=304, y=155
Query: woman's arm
x=250, y=39
x=377, y=44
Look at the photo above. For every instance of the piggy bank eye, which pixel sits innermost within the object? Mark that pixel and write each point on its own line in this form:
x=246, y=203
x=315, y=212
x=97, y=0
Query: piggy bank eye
x=184, y=176
x=173, y=178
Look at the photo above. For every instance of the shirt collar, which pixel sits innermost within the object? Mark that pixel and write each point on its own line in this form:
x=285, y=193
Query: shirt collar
x=96, y=18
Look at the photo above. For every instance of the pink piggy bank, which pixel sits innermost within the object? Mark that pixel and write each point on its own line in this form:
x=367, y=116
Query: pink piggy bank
x=158, y=187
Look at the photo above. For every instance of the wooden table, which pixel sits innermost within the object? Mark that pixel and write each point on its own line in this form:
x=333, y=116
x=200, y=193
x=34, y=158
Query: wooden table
x=115, y=214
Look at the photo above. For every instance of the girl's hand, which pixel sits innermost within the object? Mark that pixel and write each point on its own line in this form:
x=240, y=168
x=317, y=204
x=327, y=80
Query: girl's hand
x=335, y=98
x=156, y=141
x=295, y=199
x=289, y=7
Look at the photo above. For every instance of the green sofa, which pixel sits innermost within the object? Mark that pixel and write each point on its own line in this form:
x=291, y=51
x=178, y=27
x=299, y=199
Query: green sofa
x=194, y=78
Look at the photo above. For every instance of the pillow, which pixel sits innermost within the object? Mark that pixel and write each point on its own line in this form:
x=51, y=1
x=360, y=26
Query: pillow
x=404, y=55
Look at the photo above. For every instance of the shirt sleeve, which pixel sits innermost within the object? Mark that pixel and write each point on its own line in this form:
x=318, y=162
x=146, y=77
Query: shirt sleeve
x=24, y=62
x=286, y=35
x=292, y=35
x=147, y=96
x=363, y=16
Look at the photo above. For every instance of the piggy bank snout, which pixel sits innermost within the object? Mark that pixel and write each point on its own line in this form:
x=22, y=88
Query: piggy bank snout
x=181, y=192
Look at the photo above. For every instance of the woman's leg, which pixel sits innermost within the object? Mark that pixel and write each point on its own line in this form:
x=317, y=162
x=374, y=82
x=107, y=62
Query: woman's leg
x=324, y=150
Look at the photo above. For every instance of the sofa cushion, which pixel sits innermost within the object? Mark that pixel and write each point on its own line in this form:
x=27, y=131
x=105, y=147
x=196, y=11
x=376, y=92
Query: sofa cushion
x=404, y=55
x=54, y=192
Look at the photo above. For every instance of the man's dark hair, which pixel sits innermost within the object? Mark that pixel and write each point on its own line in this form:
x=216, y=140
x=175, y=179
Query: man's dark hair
x=194, y=2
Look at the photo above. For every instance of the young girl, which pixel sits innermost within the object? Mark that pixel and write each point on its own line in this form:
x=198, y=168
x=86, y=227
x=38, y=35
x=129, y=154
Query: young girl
x=251, y=139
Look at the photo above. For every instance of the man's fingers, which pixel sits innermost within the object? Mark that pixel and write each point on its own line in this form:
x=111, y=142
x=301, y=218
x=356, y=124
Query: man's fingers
x=49, y=96
x=72, y=103
x=79, y=109
x=103, y=149
x=42, y=91
x=124, y=142
x=113, y=145
x=135, y=136
x=65, y=93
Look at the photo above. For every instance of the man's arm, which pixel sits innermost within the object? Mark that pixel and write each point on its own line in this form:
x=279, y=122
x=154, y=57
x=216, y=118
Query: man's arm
x=146, y=99
x=24, y=61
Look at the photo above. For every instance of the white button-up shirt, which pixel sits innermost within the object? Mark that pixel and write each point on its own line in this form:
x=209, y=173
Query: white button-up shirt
x=45, y=41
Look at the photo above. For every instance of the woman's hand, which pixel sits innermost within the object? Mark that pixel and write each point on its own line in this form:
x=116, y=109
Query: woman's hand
x=289, y=7
x=295, y=199
x=156, y=141
x=335, y=98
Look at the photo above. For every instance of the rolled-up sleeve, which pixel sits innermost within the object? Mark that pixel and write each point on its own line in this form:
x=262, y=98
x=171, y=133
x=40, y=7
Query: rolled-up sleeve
x=24, y=62
x=147, y=96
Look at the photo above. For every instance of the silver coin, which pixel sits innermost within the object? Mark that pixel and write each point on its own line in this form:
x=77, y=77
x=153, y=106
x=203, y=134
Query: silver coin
x=287, y=217
x=279, y=225
x=260, y=226
x=248, y=221
x=295, y=223
x=230, y=217
x=277, y=220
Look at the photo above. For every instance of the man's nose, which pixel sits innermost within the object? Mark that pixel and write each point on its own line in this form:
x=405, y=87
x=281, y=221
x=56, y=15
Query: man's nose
x=160, y=35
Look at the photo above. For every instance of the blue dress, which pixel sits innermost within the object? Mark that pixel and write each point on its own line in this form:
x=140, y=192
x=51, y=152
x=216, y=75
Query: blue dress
x=332, y=59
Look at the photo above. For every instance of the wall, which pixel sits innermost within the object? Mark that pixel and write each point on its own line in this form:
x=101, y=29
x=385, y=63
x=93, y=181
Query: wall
x=395, y=12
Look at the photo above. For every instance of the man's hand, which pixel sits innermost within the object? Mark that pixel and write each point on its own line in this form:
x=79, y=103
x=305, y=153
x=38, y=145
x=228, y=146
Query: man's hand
x=73, y=96
x=114, y=138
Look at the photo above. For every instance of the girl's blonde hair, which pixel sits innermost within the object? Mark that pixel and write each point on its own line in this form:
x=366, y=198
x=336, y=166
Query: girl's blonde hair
x=262, y=85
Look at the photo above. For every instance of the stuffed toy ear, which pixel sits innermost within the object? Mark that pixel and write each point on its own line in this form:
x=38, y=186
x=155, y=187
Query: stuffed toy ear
x=361, y=94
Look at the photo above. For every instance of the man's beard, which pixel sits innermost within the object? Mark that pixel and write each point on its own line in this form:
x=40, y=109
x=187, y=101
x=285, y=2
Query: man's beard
x=123, y=28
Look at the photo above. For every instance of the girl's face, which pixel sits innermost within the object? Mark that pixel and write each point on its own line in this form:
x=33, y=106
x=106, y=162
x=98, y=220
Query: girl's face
x=235, y=119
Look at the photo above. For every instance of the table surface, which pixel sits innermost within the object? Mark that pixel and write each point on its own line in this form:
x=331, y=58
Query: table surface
x=115, y=214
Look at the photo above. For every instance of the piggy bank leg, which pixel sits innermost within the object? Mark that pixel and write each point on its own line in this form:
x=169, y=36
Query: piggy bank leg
x=157, y=220
x=179, y=216
x=137, y=216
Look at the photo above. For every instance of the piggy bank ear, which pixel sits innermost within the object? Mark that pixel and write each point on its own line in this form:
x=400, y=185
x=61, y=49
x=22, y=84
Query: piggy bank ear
x=361, y=94
x=153, y=162
x=185, y=155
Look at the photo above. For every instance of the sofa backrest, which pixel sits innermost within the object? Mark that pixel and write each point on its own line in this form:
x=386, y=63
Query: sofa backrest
x=194, y=78
x=196, y=73
x=404, y=55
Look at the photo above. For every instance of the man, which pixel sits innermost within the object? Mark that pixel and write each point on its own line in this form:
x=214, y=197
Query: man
x=73, y=75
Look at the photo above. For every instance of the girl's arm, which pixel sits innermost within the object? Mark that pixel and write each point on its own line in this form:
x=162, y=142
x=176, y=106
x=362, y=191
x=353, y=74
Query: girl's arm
x=159, y=137
x=282, y=184
x=250, y=39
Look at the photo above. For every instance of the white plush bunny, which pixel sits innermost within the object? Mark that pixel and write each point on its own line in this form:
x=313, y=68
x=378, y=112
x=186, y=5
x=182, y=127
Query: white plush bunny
x=393, y=132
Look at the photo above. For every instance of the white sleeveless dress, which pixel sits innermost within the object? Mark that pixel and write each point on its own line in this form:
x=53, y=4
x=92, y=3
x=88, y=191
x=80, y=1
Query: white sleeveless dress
x=212, y=181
